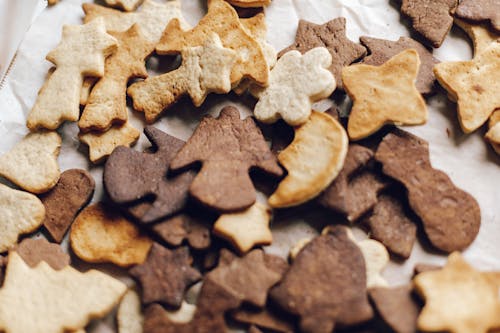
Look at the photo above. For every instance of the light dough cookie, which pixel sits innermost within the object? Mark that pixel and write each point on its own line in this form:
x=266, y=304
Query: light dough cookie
x=129, y=317
x=481, y=36
x=126, y=5
x=493, y=134
x=32, y=163
x=313, y=160
x=295, y=83
x=384, y=94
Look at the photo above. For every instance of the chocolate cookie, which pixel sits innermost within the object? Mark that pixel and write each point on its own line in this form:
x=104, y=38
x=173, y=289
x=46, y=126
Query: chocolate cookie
x=480, y=10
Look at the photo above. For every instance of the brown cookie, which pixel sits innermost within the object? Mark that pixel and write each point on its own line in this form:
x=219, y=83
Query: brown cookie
x=396, y=307
x=165, y=275
x=213, y=302
x=382, y=50
x=228, y=148
x=451, y=217
x=326, y=284
x=390, y=225
x=420, y=268
x=480, y=10
x=254, y=329
x=131, y=176
x=430, y=18
x=332, y=36
x=33, y=251
x=182, y=227
x=73, y=191
x=353, y=193
x=247, y=278
x=265, y=318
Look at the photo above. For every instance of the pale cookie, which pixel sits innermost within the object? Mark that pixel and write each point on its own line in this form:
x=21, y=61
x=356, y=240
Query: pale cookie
x=126, y=5
x=475, y=86
x=204, y=69
x=80, y=53
x=246, y=229
x=41, y=300
x=458, y=299
x=223, y=20
x=249, y=3
x=152, y=17
x=100, y=234
x=129, y=317
x=88, y=84
x=101, y=145
x=107, y=103
x=384, y=94
x=479, y=33
x=20, y=213
x=32, y=163
x=183, y=315
x=313, y=160
x=493, y=134
x=295, y=83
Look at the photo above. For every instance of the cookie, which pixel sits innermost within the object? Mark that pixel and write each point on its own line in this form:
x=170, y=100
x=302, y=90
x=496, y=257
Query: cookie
x=430, y=18
x=422, y=267
x=129, y=318
x=131, y=176
x=107, y=103
x=382, y=50
x=249, y=3
x=313, y=160
x=450, y=216
x=165, y=275
x=227, y=147
x=71, y=193
x=330, y=264
x=33, y=251
x=126, y=5
x=102, y=144
x=295, y=83
x=184, y=227
x=182, y=315
x=354, y=192
x=480, y=10
x=458, y=299
x=101, y=235
x=223, y=20
x=493, y=134
x=41, y=300
x=264, y=318
x=32, y=163
x=80, y=53
x=474, y=85
x=20, y=213
x=152, y=17
x=247, y=228
x=384, y=94
x=479, y=33
x=392, y=226
x=204, y=69
x=397, y=307
x=88, y=84
x=331, y=35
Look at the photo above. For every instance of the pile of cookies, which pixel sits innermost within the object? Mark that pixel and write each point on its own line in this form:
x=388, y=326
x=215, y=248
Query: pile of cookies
x=183, y=219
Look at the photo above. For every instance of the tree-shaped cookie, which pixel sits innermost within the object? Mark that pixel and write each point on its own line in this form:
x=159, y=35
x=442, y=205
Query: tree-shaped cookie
x=475, y=86
x=223, y=20
x=331, y=35
x=204, y=69
x=458, y=299
x=80, y=53
x=228, y=148
x=41, y=300
x=107, y=103
x=131, y=176
x=384, y=95
x=295, y=83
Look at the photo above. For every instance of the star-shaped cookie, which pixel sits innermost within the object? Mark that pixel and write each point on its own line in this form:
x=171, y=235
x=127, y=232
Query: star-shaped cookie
x=331, y=35
x=384, y=95
x=475, y=86
x=458, y=299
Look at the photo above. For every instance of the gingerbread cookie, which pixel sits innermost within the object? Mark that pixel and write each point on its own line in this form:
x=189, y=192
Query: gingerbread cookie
x=184, y=227
x=265, y=318
x=204, y=69
x=331, y=35
x=249, y=3
x=480, y=10
x=382, y=50
x=313, y=159
x=384, y=94
x=131, y=176
x=451, y=217
x=227, y=148
x=33, y=251
x=80, y=53
x=72, y=192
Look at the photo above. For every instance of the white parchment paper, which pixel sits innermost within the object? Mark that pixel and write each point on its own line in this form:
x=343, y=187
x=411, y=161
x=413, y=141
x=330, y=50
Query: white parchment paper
x=467, y=159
